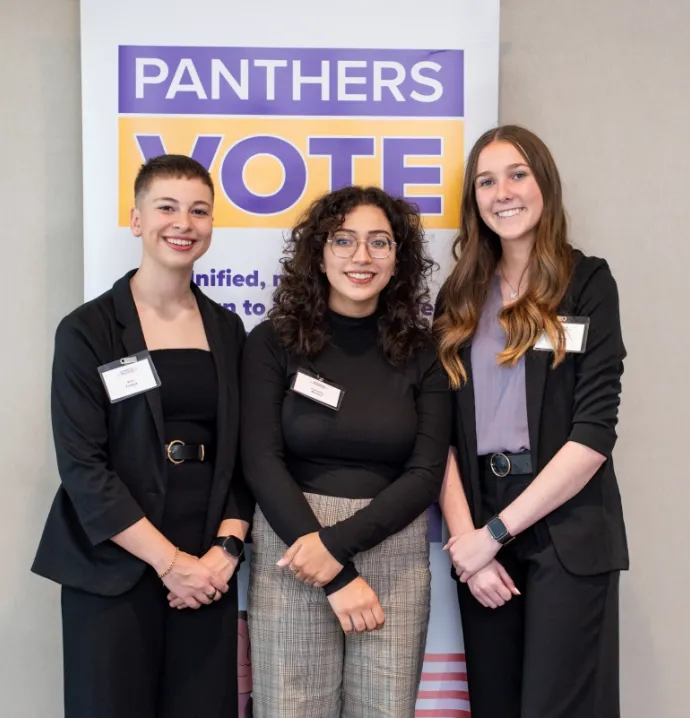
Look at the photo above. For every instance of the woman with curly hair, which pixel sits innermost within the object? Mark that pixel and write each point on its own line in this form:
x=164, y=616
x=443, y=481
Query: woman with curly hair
x=345, y=433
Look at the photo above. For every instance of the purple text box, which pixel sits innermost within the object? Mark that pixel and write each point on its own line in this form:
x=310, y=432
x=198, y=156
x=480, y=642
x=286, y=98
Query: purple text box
x=288, y=81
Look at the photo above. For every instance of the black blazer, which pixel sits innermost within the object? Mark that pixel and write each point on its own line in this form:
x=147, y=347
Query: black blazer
x=111, y=457
x=576, y=401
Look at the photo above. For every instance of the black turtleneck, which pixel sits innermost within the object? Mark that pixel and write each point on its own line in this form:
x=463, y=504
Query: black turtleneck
x=388, y=441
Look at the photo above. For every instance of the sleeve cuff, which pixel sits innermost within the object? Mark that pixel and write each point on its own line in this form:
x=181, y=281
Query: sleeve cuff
x=331, y=543
x=103, y=527
x=598, y=438
x=345, y=577
x=240, y=507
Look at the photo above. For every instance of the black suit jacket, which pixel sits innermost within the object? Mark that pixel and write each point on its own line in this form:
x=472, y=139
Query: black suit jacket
x=577, y=401
x=111, y=457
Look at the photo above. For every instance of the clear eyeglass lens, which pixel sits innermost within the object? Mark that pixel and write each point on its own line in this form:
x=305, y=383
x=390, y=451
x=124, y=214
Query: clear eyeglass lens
x=378, y=248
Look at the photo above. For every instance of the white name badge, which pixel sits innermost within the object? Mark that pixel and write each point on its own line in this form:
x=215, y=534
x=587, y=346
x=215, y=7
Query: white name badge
x=316, y=389
x=129, y=376
x=576, y=330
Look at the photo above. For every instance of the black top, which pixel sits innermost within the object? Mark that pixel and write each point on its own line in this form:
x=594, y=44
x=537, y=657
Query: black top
x=577, y=401
x=189, y=394
x=111, y=457
x=189, y=390
x=388, y=441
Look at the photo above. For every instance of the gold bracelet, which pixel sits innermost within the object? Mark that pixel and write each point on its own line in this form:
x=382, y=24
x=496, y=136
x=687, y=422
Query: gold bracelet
x=172, y=563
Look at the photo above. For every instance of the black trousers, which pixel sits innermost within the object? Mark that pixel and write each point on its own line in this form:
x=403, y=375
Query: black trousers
x=551, y=652
x=132, y=656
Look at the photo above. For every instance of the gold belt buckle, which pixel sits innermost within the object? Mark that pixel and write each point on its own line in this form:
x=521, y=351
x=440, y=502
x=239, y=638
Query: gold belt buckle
x=169, y=450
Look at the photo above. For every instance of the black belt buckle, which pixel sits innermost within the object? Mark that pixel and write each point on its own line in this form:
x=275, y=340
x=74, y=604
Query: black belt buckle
x=500, y=465
x=171, y=450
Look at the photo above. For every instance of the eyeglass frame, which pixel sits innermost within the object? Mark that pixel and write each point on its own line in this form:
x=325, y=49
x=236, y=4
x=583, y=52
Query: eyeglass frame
x=392, y=244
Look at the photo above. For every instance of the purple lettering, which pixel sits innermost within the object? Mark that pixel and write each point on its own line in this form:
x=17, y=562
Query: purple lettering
x=342, y=151
x=232, y=175
x=396, y=174
x=204, y=150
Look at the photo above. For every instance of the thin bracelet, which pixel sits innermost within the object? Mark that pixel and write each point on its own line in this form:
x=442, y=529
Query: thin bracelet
x=172, y=563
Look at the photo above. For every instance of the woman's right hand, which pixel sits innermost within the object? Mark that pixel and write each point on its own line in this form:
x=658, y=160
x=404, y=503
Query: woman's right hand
x=193, y=582
x=492, y=586
x=357, y=607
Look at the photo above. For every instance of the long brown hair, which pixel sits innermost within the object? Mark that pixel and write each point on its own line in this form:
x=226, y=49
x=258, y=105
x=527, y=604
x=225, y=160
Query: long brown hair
x=477, y=250
x=301, y=299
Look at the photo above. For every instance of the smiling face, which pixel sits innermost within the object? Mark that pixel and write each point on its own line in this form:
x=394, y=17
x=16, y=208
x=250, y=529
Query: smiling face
x=508, y=196
x=357, y=281
x=174, y=219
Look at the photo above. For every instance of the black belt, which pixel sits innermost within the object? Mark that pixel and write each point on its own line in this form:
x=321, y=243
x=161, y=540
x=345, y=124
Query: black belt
x=501, y=464
x=177, y=452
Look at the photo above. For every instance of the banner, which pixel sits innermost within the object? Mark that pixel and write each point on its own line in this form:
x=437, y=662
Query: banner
x=283, y=102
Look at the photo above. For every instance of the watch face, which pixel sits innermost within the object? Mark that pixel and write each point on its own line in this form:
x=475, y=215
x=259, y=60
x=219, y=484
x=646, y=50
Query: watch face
x=233, y=546
x=497, y=529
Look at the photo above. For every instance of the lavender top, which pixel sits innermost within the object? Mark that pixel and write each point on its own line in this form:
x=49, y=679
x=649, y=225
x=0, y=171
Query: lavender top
x=500, y=401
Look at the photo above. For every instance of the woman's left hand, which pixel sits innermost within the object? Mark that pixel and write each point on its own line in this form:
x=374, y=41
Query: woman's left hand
x=471, y=551
x=220, y=563
x=311, y=561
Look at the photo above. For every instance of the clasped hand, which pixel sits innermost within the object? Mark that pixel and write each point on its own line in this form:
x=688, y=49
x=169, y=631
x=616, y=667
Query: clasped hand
x=472, y=554
x=471, y=551
x=194, y=582
x=310, y=561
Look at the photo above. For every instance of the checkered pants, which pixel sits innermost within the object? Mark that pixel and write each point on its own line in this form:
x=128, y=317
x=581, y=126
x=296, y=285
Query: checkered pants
x=303, y=665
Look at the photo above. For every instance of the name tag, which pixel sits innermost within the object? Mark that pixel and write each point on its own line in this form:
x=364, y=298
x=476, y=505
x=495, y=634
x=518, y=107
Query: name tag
x=576, y=330
x=316, y=389
x=129, y=376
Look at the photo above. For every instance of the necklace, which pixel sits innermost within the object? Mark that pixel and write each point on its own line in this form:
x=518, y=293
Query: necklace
x=513, y=292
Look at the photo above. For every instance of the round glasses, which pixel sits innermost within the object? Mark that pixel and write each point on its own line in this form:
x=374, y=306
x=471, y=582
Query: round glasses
x=344, y=246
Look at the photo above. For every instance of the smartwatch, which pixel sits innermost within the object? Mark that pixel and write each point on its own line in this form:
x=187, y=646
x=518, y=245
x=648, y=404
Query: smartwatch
x=498, y=531
x=233, y=546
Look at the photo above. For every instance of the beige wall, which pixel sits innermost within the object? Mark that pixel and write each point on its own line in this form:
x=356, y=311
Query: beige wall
x=604, y=83
x=40, y=205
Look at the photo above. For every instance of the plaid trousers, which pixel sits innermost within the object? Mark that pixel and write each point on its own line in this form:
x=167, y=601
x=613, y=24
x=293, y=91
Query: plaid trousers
x=303, y=665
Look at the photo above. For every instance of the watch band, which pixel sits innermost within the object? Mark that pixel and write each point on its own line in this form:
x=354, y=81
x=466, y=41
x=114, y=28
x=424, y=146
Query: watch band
x=232, y=545
x=499, y=531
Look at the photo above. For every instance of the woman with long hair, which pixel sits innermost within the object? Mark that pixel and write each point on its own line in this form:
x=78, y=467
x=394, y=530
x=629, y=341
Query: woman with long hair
x=529, y=332
x=345, y=433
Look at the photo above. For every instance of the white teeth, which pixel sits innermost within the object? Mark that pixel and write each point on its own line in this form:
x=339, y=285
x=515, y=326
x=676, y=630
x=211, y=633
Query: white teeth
x=360, y=275
x=179, y=242
x=509, y=213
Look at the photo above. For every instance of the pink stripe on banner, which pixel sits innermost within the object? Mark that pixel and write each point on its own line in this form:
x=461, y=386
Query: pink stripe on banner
x=444, y=657
x=444, y=676
x=443, y=691
x=428, y=695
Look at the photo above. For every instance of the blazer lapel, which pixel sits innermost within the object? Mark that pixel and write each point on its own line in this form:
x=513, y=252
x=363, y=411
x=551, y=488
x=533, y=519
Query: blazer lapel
x=468, y=429
x=220, y=342
x=133, y=341
x=216, y=343
x=536, y=368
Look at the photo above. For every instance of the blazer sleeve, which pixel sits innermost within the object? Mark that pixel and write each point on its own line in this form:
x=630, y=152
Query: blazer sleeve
x=240, y=504
x=263, y=450
x=79, y=412
x=599, y=369
x=416, y=489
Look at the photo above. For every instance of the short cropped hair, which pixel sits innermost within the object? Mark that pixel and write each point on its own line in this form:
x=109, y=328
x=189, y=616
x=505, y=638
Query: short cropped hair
x=170, y=167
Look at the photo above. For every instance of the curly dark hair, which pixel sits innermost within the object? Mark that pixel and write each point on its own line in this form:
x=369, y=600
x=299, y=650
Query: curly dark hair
x=301, y=298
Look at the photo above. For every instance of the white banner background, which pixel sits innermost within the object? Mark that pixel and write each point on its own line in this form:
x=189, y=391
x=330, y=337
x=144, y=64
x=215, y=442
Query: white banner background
x=245, y=246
